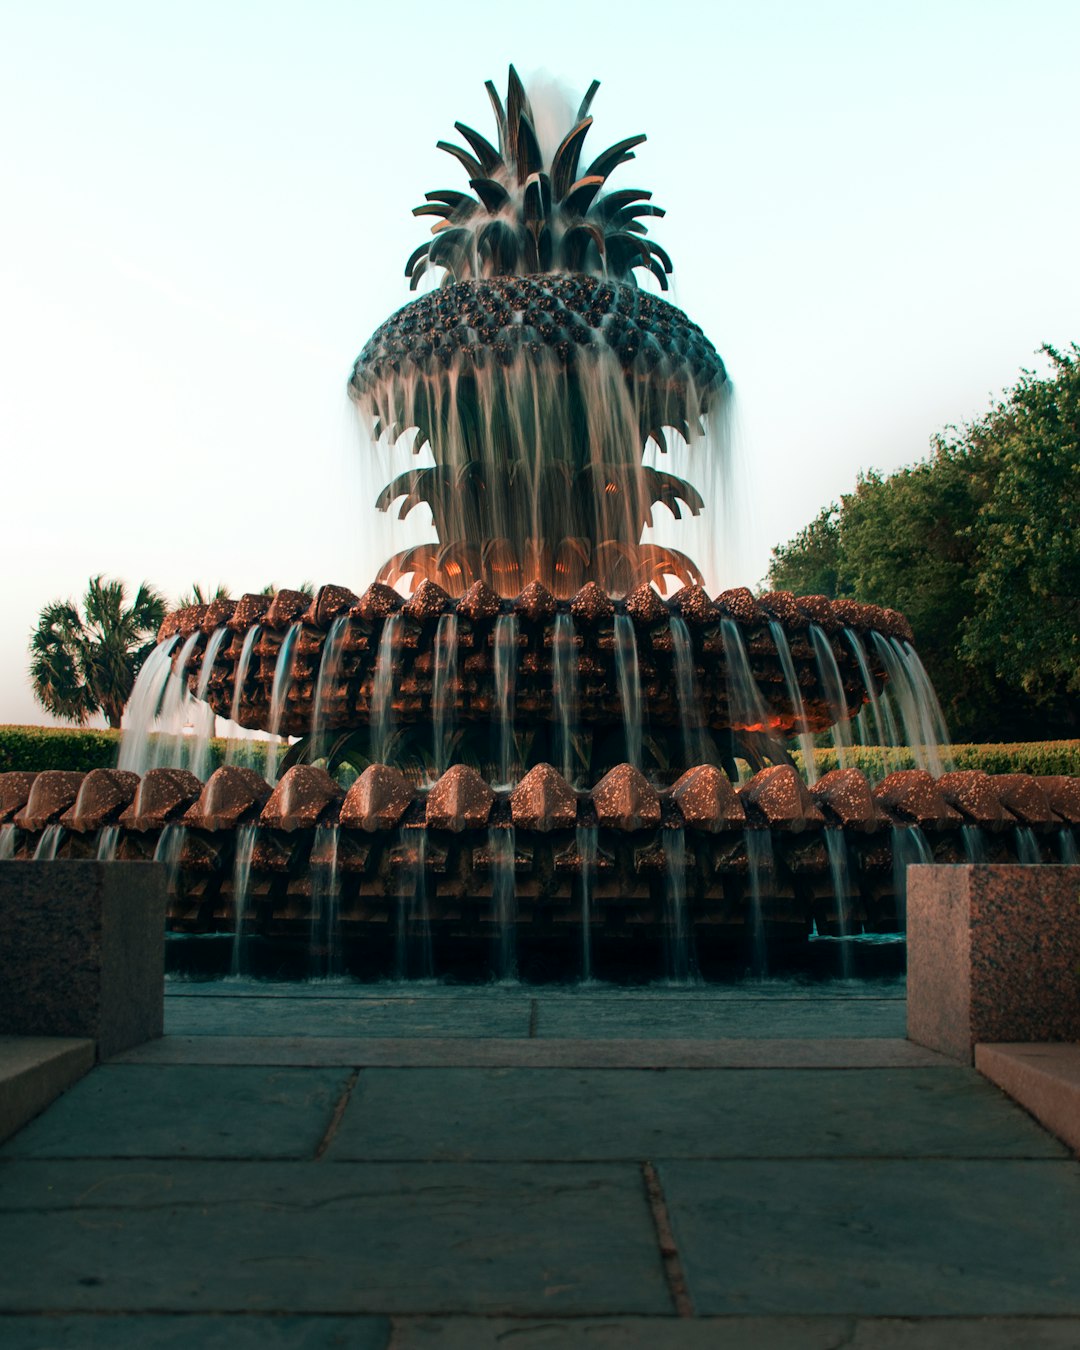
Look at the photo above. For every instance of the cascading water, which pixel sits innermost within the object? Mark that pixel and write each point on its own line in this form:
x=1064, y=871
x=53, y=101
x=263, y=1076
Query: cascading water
x=142, y=708
x=328, y=677
x=283, y=674
x=1027, y=846
x=108, y=839
x=382, y=692
x=585, y=845
x=241, y=882
x=909, y=846
x=678, y=957
x=48, y=843
x=794, y=693
x=1066, y=844
x=167, y=746
x=884, y=729
x=831, y=683
x=761, y=872
x=413, y=937
x=687, y=693
x=501, y=849
x=836, y=848
x=924, y=732
x=564, y=694
x=629, y=680
x=7, y=842
x=505, y=649
x=444, y=682
x=325, y=901
x=974, y=843
x=239, y=740
x=202, y=713
x=169, y=848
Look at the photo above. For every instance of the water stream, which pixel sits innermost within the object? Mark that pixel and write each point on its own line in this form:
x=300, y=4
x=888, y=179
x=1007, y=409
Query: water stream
x=443, y=690
x=240, y=739
x=241, y=881
x=564, y=696
x=505, y=657
x=326, y=682
x=501, y=844
x=585, y=843
x=382, y=691
x=629, y=681
x=325, y=903
x=283, y=677
x=794, y=693
x=833, y=687
x=687, y=694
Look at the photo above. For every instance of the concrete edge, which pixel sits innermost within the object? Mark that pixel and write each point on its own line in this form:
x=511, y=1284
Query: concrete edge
x=34, y=1071
x=1044, y=1078
x=540, y=1053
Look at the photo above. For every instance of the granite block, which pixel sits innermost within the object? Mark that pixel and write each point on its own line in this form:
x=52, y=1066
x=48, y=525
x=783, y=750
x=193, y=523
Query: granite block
x=993, y=955
x=1044, y=1079
x=82, y=951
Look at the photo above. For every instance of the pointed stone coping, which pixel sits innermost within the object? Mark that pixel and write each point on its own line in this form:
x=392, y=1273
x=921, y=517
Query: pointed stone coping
x=1063, y=794
x=34, y=1071
x=543, y=801
x=52, y=792
x=974, y=795
x=781, y=797
x=460, y=800
x=1021, y=794
x=103, y=795
x=625, y=800
x=1043, y=1078
x=163, y=795
x=707, y=800
x=232, y=796
x=303, y=798
x=377, y=800
x=912, y=797
x=844, y=795
x=590, y=605
x=14, y=792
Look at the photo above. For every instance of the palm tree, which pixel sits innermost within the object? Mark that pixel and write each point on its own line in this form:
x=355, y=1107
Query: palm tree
x=84, y=663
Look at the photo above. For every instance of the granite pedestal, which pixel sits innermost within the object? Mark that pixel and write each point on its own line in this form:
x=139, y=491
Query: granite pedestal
x=993, y=955
x=82, y=951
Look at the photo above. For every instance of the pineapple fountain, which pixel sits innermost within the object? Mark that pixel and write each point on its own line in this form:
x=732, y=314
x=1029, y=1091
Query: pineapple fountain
x=537, y=739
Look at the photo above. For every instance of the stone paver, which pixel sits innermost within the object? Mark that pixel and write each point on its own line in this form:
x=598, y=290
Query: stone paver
x=878, y=1237
x=460, y=1169
x=186, y=1111
x=448, y=1115
x=296, y=1237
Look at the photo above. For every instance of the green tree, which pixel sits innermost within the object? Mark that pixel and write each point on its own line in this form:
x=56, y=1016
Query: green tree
x=1026, y=616
x=979, y=545
x=82, y=663
x=811, y=563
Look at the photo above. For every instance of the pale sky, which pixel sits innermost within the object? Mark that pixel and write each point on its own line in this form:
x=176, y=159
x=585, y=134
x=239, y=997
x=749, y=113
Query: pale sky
x=206, y=211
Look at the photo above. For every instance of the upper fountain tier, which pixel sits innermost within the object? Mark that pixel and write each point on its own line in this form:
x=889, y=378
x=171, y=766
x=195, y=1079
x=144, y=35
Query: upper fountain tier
x=719, y=636
x=542, y=384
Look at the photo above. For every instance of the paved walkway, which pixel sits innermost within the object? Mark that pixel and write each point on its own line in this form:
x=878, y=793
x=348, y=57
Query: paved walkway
x=317, y=1166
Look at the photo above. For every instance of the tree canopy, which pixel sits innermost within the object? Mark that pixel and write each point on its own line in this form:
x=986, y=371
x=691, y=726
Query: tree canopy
x=980, y=546
x=85, y=662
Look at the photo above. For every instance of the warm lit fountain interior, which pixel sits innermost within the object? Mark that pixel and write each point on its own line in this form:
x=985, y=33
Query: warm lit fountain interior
x=540, y=740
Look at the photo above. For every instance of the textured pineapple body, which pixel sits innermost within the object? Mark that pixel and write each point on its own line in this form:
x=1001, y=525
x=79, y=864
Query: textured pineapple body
x=571, y=315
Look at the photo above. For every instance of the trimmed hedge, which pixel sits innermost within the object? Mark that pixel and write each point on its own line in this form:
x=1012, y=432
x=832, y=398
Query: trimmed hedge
x=58, y=748
x=1035, y=757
